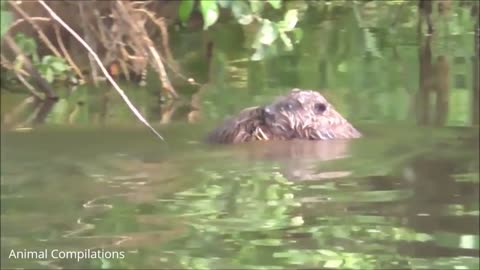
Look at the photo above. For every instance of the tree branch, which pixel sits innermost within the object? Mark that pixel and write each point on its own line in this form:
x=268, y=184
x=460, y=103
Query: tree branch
x=102, y=68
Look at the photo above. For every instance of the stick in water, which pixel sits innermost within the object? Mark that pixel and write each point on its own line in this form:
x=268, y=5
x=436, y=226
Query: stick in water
x=104, y=70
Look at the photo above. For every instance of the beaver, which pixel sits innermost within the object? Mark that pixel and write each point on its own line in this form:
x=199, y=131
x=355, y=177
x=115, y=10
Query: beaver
x=301, y=114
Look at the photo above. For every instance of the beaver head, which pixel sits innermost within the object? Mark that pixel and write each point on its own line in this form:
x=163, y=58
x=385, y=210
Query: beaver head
x=302, y=114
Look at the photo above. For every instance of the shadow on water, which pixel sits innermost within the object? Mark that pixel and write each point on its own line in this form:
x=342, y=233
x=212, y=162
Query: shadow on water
x=83, y=174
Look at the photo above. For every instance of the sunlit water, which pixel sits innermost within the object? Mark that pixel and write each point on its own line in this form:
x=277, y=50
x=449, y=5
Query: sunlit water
x=405, y=196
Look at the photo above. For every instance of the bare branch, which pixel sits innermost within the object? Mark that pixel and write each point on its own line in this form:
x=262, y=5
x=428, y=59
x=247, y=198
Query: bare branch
x=160, y=22
x=11, y=117
x=94, y=71
x=43, y=85
x=42, y=35
x=19, y=21
x=104, y=70
x=142, y=40
x=66, y=54
x=29, y=86
x=8, y=65
x=20, y=75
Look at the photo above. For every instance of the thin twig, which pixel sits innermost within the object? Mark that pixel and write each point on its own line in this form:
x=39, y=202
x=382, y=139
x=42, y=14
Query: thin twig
x=160, y=22
x=8, y=65
x=123, y=64
x=138, y=60
x=29, y=86
x=137, y=31
x=19, y=21
x=42, y=35
x=30, y=120
x=161, y=69
x=169, y=110
x=66, y=54
x=104, y=70
x=11, y=116
x=170, y=62
x=93, y=67
x=19, y=73
x=101, y=27
x=43, y=85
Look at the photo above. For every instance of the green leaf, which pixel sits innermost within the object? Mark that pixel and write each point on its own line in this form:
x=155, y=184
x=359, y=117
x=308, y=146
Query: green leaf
x=49, y=75
x=209, y=11
x=290, y=19
x=42, y=69
x=268, y=32
x=259, y=54
x=225, y=3
x=185, y=9
x=18, y=64
x=257, y=6
x=47, y=59
x=59, y=65
x=27, y=44
x=298, y=34
x=245, y=20
x=242, y=12
x=35, y=58
x=286, y=41
x=6, y=19
x=276, y=4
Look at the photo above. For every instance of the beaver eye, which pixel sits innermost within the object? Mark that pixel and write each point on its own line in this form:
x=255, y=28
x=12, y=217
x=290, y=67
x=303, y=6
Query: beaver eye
x=320, y=107
x=289, y=106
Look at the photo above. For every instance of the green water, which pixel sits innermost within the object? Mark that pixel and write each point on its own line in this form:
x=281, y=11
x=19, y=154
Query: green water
x=88, y=176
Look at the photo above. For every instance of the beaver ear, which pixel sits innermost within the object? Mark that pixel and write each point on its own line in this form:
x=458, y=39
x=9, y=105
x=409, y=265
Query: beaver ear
x=319, y=107
x=250, y=113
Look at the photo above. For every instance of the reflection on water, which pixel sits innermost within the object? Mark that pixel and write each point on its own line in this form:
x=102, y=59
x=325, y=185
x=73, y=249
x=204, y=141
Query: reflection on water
x=298, y=159
x=83, y=174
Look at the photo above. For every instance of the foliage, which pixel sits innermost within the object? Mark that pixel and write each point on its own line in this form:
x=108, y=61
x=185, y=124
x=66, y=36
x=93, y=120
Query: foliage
x=269, y=34
x=6, y=18
x=50, y=67
x=185, y=9
x=53, y=67
x=210, y=12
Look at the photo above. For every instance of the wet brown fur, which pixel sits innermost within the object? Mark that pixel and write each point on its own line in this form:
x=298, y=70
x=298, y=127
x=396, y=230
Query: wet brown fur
x=301, y=114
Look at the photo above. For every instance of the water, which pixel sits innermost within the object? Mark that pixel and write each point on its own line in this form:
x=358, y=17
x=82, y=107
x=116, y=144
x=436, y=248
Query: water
x=87, y=177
